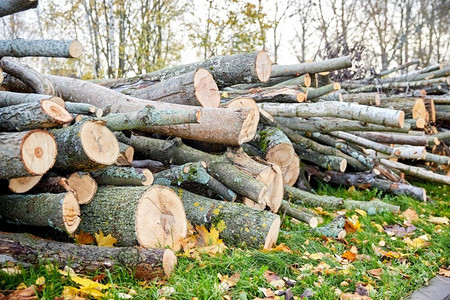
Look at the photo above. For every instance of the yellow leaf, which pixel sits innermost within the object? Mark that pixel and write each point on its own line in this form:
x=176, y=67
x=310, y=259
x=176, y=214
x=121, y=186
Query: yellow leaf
x=410, y=215
x=352, y=225
x=221, y=226
x=444, y=272
x=40, y=280
x=105, y=241
x=89, y=284
x=280, y=248
x=70, y=293
x=439, y=220
x=68, y=271
x=416, y=243
x=209, y=237
x=361, y=212
x=317, y=256
x=21, y=286
x=350, y=256
x=84, y=238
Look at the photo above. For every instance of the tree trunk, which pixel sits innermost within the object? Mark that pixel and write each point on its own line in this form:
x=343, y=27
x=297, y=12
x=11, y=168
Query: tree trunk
x=315, y=93
x=226, y=70
x=302, y=216
x=223, y=126
x=83, y=186
x=84, y=109
x=9, y=7
x=85, y=146
x=196, y=88
x=313, y=67
x=363, y=98
x=153, y=165
x=33, y=115
x=117, y=176
x=416, y=172
x=59, y=211
x=283, y=95
x=21, y=185
x=144, y=263
x=240, y=225
x=42, y=48
x=276, y=146
x=369, y=114
x=126, y=154
x=394, y=138
x=328, y=162
x=325, y=124
x=52, y=183
x=147, y=216
x=35, y=80
x=194, y=172
x=26, y=153
x=10, y=98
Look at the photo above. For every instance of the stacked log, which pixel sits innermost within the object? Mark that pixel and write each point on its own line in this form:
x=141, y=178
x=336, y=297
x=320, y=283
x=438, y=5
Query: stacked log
x=227, y=165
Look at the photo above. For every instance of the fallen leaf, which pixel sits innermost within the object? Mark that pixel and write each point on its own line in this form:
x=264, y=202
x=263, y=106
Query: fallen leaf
x=361, y=212
x=208, y=237
x=166, y=291
x=279, y=248
x=99, y=278
x=416, y=243
x=306, y=294
x=11, y=271
x=361, y=290
x=317, y=256
x=228, y=282
x=26, y=294
x=439, y=220
x=84, y=238
x=124, y=296
x=105, y=241
x=40, y=281
x=354, y=296
x=89, y=287
x=352, y=225
x=350, y=256
x=71, y=293
x=267, y=292
x=376, y=273
x=410, y=215
x=399, y=231
x=390, y=254
x=67, y=271
x=444, y=272
x=379, y=227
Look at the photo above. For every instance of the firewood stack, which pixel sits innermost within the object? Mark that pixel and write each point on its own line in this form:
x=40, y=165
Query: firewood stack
x=218, y=143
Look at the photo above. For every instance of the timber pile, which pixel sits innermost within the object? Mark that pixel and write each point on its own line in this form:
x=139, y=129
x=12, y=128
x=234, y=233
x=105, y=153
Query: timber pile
x=226, y=142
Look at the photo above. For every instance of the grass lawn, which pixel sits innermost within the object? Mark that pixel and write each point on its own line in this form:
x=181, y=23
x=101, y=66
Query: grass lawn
x=375, y=263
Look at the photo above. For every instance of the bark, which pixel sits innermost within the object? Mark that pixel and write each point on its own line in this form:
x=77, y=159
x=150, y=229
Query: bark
x=437, y=159
x=126, y=154
x=367, y=180
x=362, y=98
x=308, y=143
x=175, y=152
x=333, y=229
x=144, y=263
x=84, y=109
x=226, y=70
x=153, y=165
x=240, y=225
x=83, y=186
x=43, y=48
x=35, y=80
x=147, y=216
x=9, y=7
x=302, y=216
x=194, y=172
x=303, y=80
x=394, y=85
x=52, y=183
x=315, y=93
x=85, y=146
x=117, y=176
x=12, y=84
x=196, y=88
x=394, y=138
x=443, y=116
x=223, y=126
x=10, y=98
x=313, y=67
x=327, y=162
x=324, y=124
x=276, y=146
x=59, y=211
x=304, y=198
x=149, y=117
x=442, y=99
x=284, y=95
x=371, y=207
x=417, y=172
x=369, y=114
x=21, y=185
x=33, y=115
x=26, y=153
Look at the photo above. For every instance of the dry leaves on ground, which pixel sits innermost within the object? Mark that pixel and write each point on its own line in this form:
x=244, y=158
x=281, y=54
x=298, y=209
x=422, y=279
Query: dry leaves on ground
x=105, y=241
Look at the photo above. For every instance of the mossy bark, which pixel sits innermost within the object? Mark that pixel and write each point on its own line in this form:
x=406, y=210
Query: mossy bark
x=301, y=197
x=239, y=225
x=39, y=210
x=144, y=263
x=10, y=98
x=113, y=175
x=328, y=162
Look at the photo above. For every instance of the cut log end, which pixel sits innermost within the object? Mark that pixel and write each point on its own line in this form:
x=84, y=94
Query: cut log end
x=343, y=165
x=301, y=97
x=160, y=219
x=59, y=114
x=275, y=190
x=342, y=234
x=71, y=213
x=206, y=89
x=38, y=151
x=169, y=262
x=272, y=235
x=291, y=172
x=263, y=66
x=401, y=119
x=125, y=156
x=313, y=222
x=58, y=101
x=149, y=177
x=21, y=185
x=250, y=124
x=75, y=49
x=420, y=123
x=281, y=155
x=83, y=185
x=336, y=86
x=307, y=81
x=99, y=143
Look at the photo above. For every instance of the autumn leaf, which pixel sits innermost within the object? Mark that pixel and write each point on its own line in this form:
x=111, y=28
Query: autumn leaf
x=444, y=272
x=280, y=248
x=376, y=273
x=208, y=237
x=354, y=296
x=84, y=238
x=352, y=225
x=274, y=280
x=361, y=212
x=40, y=281
x=410, y=215
x=399, y=231
x=390, y=254
x=228, y=282
x=105, y=241
x=416, y=243
x=317, y=256
x=350, y=256
x=25, y=294
x=89, y=287
x=439, y=220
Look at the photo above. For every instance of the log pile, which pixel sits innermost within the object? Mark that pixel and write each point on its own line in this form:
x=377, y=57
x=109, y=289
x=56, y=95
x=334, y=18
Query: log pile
x=228, y=142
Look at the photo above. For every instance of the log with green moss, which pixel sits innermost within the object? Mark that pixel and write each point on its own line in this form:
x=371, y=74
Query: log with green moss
x=85, y=146
x=114, y=175
x=276, y=146
x=136, y=215
x=287, y=209
x=239, y=225
x=59, y=211
x=144, y=263
x=329, y=162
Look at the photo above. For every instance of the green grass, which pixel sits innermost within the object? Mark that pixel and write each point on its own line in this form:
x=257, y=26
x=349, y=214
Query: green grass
x=199, y=278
